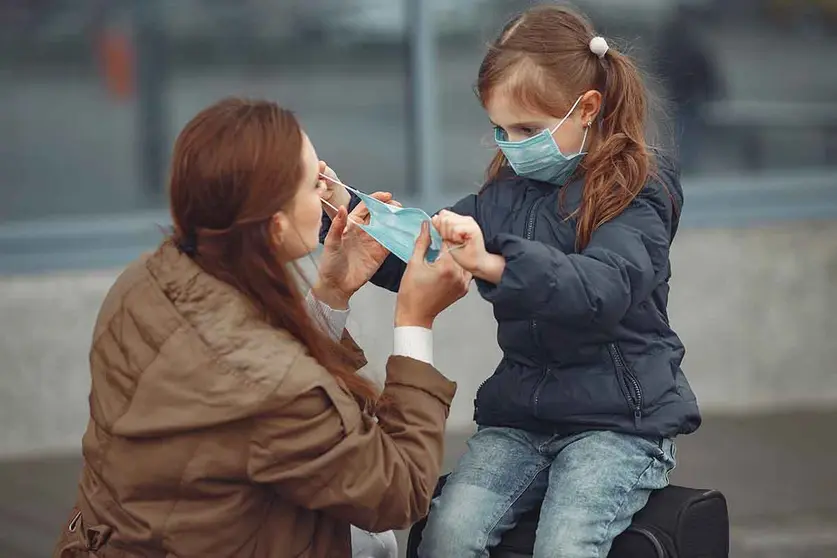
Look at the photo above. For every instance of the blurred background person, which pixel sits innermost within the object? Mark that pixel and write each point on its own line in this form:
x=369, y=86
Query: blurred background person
x=686, y=64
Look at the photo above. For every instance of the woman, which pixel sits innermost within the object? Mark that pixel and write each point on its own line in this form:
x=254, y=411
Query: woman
x=225, y=421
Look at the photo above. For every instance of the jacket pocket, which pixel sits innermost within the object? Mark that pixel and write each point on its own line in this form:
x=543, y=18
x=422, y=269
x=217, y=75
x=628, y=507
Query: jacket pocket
x=628, y=383
x=71, y=544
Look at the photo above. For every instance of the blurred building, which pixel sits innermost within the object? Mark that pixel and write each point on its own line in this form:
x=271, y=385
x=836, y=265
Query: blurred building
x=93, y=92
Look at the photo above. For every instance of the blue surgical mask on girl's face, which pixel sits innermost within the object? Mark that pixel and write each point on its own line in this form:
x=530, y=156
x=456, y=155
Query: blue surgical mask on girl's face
x=397, y=228
x=539, y=157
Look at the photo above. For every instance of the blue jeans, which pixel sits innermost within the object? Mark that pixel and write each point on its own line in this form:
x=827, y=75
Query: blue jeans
x=591, y=485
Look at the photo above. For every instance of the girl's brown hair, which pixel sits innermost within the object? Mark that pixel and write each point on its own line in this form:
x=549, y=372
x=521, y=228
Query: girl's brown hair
x=543, y=59
x=234, y=166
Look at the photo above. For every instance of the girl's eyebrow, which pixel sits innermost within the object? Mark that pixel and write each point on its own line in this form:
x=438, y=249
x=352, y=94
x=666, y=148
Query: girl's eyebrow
x=529, y=125
x=520, y=124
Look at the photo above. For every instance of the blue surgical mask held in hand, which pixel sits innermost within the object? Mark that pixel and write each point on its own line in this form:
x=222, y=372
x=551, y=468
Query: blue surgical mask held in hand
x=539, y=157
x=396, y=228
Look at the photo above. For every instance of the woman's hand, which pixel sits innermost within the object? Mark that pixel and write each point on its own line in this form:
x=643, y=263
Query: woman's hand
x=332, y=192
x=428, y=289
x=466, y=245
x=350, y=256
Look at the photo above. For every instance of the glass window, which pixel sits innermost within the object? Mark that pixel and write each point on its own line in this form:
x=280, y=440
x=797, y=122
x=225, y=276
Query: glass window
x=89, y=113
x=751, y=86
x=94, y=92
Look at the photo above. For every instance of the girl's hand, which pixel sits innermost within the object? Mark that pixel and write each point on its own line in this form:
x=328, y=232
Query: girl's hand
x=463, y=237
x=333, y=193
x=467, y=246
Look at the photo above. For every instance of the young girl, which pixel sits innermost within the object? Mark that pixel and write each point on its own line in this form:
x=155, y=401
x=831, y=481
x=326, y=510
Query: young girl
x=569, y=240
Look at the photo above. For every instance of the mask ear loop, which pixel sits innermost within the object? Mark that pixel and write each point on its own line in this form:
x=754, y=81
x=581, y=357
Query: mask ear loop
x=351, y=220
x=572, y=109
x=346, y=186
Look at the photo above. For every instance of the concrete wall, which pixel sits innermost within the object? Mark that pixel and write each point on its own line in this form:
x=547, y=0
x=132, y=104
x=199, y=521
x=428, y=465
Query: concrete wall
x=757, y=309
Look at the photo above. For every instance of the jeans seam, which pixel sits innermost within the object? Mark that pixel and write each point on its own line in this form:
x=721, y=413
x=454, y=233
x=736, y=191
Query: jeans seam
x=672, y=456
x=625, y=498
x=511, y=503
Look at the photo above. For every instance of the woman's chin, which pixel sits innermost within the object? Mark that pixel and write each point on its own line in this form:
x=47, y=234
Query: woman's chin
x=300, y=252
x=311, y=246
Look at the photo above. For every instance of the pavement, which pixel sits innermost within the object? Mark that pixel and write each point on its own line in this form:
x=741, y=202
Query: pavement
x=776, y=471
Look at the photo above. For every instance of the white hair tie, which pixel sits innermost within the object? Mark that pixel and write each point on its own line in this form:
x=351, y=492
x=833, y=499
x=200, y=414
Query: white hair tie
x=599, y=46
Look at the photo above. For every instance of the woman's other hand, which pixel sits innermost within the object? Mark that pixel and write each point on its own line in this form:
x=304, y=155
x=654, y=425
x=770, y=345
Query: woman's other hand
x=427, y=289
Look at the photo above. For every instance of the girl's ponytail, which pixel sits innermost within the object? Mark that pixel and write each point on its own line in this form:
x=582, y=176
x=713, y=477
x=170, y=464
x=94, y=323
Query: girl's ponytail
x=619, y=167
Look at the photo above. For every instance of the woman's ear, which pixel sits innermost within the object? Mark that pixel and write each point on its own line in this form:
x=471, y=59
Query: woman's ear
x=590, y=105
x=279, y=226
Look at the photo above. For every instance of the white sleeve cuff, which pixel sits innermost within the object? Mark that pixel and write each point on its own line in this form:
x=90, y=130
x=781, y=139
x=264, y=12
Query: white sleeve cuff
x=414, y=342
x=331, y=320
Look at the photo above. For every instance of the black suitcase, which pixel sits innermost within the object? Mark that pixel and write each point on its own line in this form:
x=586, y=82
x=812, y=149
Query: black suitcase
x=677, y=522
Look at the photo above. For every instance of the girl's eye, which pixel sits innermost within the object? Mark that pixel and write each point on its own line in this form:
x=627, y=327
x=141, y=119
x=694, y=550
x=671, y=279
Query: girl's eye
x=528, y=132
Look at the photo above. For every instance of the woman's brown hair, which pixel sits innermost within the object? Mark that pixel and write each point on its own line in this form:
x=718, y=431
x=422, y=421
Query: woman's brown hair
x=234, y=166
x=543, y=59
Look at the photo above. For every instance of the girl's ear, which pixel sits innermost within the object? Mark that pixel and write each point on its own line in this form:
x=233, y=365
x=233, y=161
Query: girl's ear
x=589, y=107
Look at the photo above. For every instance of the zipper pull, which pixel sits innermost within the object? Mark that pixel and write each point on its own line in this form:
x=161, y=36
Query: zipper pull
x=637, y=418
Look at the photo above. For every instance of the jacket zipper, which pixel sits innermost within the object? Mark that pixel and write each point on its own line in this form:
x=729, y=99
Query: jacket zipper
x=631, y=383
x=538, y=389
x=529, y=234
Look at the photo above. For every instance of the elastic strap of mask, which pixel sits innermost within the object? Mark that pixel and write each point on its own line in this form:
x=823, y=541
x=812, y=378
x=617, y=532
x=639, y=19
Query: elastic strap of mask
x=335, y=181
x=347, y=187
x=336, y=210
x=575, y=104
